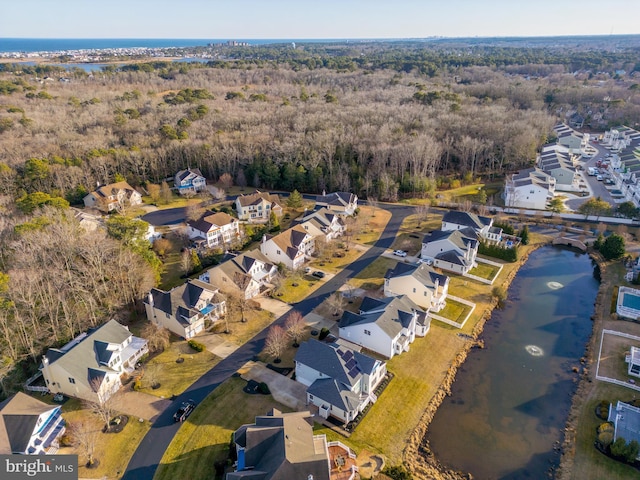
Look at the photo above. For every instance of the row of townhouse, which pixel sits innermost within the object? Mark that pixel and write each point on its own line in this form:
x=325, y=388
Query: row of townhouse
x=531, y=188
x=624, y=143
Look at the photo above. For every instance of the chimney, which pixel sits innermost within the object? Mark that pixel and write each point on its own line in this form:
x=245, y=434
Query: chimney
x=264, y=239
x=150, y=299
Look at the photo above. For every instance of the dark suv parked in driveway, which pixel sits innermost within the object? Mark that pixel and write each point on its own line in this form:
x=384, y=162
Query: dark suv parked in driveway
x=184, y=411
x=318, y=274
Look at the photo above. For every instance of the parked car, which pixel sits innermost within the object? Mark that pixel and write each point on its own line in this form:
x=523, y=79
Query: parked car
x=318, y=274
x=426, y=261
x=184, y=411
x=599, y=178
x=400, y=253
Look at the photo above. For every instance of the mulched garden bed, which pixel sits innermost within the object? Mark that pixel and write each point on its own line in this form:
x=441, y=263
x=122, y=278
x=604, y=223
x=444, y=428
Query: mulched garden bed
x=282, y=370
x=117, y=424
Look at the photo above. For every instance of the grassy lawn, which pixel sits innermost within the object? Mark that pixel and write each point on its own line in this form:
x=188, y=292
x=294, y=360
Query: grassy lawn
x=375, y=221
x=174, y=378
x=204, y=437
x=172, y=274
x=412, y=232
x=305, y=286
x=241, y=332
x=484, y=270
x=455, y=311
x=372, y=277
x=112, y=450
x=469, y=192
x=335, y=264
x=286, y=359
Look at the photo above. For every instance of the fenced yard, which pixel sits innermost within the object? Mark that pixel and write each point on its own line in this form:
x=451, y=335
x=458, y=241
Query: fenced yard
x=612, y=367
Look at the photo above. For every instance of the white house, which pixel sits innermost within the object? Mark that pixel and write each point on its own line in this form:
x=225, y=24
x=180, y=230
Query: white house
x=481, y=225
x=633, y=359
x=625, y=419
x=386, y=326
x=454, y=250
x=114, y=196
x=531, y=189
x=422, y=284
x=29, y=426
x=555, y=161
x=323, y=223
x=214, y=229
x=90, y=365
x=248, y=274
x=340, y=381
x=184, y=309
x=291, y=247
x=257, y=207
x=190, y=181
x=343, y=203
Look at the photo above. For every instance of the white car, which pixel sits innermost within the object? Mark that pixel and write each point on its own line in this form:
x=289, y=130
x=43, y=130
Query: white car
x=426, y=261
x=599, y=178
x=400, y=253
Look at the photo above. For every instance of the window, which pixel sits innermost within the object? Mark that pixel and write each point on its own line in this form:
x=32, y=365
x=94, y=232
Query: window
x=367, y=332
x=414, y=289
x=278, y=252
x=310, y=397
x=72, y=380
x=425, y=293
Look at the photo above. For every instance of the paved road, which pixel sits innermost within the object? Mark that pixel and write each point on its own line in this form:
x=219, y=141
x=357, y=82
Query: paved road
x=146, y=458
x=596, y=187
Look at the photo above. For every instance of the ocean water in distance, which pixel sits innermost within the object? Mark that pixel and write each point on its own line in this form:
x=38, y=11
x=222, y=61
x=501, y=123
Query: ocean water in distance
x=58, y=44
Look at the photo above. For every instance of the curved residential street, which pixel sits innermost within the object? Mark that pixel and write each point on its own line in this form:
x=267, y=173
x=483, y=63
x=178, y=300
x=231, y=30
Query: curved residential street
x=146, y=458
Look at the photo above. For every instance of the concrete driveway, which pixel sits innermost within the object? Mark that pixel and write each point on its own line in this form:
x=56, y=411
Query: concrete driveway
x=142, y=405
x=216, y=344
x=284, y=390
x=274, y=306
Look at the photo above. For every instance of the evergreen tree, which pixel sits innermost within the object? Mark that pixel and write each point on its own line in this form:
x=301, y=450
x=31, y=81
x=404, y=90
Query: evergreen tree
x=524, y=235
x=613, y=247
x=294, y=200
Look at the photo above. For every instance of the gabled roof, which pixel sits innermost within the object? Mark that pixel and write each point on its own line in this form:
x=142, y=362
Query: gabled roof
x=335, y=393
x=180, y=301
x=79, y=357
x=113, y=189
x=459, y=238
x=238, y=268
x=18, y=417
x=423, y=273
x=211, y=221
x=281, y=446
x=391, y=318
x=258, y=197
x=335, y=361
x=339, y=199
x=323, y=215
x=182, y=174
x=466, y=219
x=291, y=240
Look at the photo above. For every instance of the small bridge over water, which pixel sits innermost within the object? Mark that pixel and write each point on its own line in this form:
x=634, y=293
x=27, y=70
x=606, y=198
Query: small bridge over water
x=572, y=242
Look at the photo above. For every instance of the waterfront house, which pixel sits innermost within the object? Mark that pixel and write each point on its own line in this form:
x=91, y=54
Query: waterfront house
x=114, y=196
x=90, y=366
x=340, y=381
x=481, y=225
x=626, y=422
x=633, y=359
x=29, y=426
x=214, y=230
x=386, y=326
x=530, y=188
x=247, y=274
x=185, y=309
x=453, y=251
x=422, y=284
x=257, y=207
x=190, y=181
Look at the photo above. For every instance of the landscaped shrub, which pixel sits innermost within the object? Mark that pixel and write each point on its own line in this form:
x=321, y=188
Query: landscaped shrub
x=506, y=227
x=625, y=451
x=398, y=472
x=496, y=251
x=264, y=388
x=602, y=411
x=198, y=347
x=323, y=333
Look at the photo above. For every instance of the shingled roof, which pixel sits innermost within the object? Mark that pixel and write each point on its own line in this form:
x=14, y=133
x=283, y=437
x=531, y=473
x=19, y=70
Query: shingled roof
x=391, y=314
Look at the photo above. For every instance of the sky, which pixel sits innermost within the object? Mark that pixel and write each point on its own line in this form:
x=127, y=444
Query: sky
x=283, y=19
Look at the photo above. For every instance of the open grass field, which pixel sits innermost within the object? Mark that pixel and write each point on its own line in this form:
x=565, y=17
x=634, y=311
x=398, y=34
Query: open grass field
x=412, y=232
x=174, y=378
x=204, y=437
x=241, y=332
x=112, y=450
x=334, y=264
x=376, y=220
x=305, y=285
x=372, y=277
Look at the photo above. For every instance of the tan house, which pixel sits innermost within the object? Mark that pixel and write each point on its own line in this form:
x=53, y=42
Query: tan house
x=248, y=274
x=214, y=230
x=257, y=207
x=184, y=309
x=422, y=284
x=29, y=426
x=115, y=196
x=291, y=248
x=90, y=365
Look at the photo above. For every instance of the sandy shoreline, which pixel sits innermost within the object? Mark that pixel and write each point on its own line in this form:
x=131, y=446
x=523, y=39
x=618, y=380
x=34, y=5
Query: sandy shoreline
x=417, y=455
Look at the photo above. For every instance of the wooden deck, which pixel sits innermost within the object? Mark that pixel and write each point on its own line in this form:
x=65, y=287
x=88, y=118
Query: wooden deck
x=343, y=465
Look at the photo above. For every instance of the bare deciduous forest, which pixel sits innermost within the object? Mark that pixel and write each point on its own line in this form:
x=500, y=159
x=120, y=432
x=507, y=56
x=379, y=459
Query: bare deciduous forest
x=385, y=122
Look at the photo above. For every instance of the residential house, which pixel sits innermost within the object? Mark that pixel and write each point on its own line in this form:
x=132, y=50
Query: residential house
x=323, y=223
x=113, y=197
x=291, y=247
x=88, y=221
x=625, y=164
x=453, y=251
x=340, y=381
x=257, y=207
x=386, y=326
x=280, y=446
x=184, y=309
x=531, y=189
x=342, y=203
x=90, y=366
x=575, y=141
x=558, y=162
x=626, y=422
x=576, y=120
x=214, y=230
x=482, y=226
x=29, y=426
x=190, y=181
x=248, y=274
x=633, y=359
x=422, y=284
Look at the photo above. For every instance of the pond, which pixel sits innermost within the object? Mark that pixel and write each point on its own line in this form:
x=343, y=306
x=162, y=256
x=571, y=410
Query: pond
x=510, y=401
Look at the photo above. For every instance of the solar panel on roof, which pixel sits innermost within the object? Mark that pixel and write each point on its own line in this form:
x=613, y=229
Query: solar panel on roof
x=350, y=364
x=340, y=352
x=353, y=373
x=347, y=355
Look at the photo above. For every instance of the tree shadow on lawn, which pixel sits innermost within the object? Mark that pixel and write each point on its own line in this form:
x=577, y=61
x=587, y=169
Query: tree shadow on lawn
x=196, y=464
